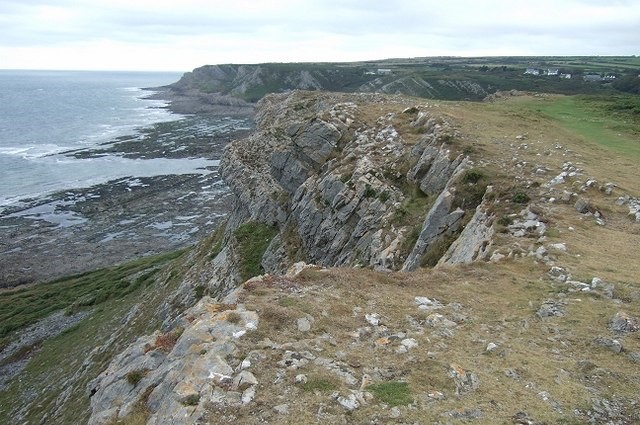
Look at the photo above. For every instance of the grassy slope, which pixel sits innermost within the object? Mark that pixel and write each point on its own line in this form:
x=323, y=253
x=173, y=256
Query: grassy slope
x=590, y=119
x=62, y=366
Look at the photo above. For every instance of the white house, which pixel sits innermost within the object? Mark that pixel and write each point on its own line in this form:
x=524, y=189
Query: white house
x=532, y=71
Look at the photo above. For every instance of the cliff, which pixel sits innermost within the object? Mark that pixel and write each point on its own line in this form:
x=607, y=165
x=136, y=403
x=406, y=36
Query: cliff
x=390, y=260
x=219, y=84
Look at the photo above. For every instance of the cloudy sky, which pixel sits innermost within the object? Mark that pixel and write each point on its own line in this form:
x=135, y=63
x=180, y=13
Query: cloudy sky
x=179, y=35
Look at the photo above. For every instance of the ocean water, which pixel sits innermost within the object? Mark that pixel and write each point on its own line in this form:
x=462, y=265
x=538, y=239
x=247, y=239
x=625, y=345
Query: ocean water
x=46, y=113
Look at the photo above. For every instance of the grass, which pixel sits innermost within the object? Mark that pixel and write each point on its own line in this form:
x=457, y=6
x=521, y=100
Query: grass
x=252, y=238
x=67, y=363
x=588, y=118
x=24, y=306
x=392, y=393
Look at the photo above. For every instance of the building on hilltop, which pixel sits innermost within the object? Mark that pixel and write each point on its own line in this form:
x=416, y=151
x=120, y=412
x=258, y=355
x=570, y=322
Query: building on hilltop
x=532, y=71
x=592, y=78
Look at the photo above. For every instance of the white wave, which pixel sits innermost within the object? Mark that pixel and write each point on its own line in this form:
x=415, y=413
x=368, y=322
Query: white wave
x=34, y=151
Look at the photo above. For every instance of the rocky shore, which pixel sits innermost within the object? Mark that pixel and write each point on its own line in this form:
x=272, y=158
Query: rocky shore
x=83, y=229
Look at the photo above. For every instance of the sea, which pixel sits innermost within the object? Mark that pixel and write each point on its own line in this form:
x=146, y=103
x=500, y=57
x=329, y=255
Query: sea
x=44, y=114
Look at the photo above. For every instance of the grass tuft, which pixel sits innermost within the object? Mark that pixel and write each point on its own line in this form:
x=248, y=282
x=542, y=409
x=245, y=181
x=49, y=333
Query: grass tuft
x=392, y=393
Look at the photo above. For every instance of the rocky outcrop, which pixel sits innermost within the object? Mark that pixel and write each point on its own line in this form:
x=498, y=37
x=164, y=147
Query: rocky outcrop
x=440, y=222
x=221, y=83
x=333, y=189
x=171, y=376
x=329, y=183
x=475, y=241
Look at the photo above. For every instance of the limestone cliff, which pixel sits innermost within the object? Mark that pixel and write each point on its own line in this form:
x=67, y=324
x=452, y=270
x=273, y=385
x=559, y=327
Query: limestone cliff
x=328, y=179
x=232, y=84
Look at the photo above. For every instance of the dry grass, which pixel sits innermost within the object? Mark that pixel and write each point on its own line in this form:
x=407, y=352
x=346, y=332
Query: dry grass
x=549, y=368
x=489, y=303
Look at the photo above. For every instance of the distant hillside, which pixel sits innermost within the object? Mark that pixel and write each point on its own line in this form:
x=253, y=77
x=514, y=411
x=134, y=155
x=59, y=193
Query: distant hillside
x=436, y=78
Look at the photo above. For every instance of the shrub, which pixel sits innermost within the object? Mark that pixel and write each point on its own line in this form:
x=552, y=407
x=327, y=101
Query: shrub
x=135, y=376
x=472, y=176
x=191, y=400
x=505, y=220
x=199, y=291
x=520, y=198
x=369, y=192
x=233, y=317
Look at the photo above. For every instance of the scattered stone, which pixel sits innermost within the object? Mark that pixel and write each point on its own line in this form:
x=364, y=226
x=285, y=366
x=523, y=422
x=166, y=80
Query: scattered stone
x=612, y=344
x=559, y=247
x=373, y=319
x=409, y=343
x=436, y=395
x=559, y=179
x=301, y=379
x=350, y=402
x=395, y=413
x=466, y=414
x=491, y=347
x=635, y=356
x=248, y=395
x=521, y=418
x=497, y=257
x=244, y=380
x=582, y=206
x=304, y=324
x=558, y=274
x=596, y=281
x=438, y=320
x=465, y=381
x=425, y=303
x=281, y=409
x=551, y=308
x=512, y=373
x=624, y=323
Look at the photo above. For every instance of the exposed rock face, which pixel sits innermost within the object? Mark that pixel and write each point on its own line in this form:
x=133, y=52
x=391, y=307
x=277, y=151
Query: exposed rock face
x=331, y=186
x=221, y=83
x=329, y=183
x=440, y=221
x=475, y=241
x=172, y=375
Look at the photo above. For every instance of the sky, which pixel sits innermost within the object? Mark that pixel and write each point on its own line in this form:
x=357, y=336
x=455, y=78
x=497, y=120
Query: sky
x=179, y=35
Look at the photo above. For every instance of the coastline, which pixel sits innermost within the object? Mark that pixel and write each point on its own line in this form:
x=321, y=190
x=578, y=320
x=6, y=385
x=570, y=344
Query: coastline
x=78, y=230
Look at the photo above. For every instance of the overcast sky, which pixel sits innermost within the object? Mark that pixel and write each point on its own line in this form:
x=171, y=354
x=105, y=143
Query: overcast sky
x=179, y=35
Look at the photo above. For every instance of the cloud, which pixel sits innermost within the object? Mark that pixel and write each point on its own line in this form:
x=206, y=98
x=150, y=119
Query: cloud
x=63, y=33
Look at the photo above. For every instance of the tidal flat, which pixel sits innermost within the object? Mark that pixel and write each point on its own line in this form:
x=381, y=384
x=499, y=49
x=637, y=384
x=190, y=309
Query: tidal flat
x=145, y=213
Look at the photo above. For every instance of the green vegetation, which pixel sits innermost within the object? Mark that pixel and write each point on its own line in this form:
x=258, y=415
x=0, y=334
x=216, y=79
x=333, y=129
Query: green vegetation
x=320, y=384
x=252, y=239
x=54, y=363
x=392, y=393
x=470, y=189
x=520, y=198
x=135, y=376
x=191, y=400
x=24, y=306
x=611, y=122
